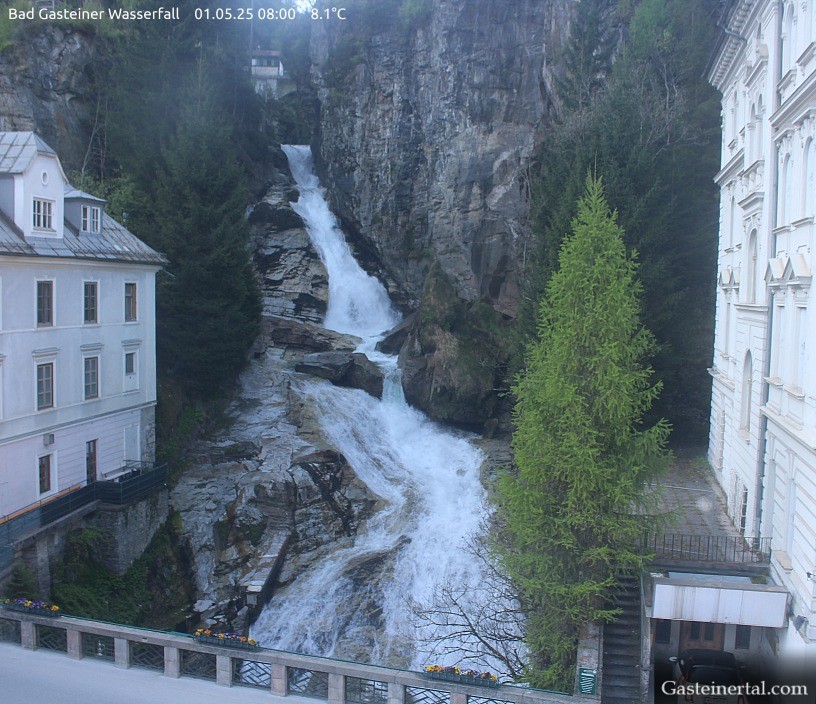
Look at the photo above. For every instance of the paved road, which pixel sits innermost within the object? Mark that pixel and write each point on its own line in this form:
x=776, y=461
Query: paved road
x=44, y=677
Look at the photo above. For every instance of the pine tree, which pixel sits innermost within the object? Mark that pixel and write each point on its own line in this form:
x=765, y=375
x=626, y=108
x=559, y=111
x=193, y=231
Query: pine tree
x=208, y=308
x=571, y=510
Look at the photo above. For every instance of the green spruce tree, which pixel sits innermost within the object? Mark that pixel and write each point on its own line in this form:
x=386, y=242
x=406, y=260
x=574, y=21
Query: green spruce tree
x=208, y=306
x=572, y=509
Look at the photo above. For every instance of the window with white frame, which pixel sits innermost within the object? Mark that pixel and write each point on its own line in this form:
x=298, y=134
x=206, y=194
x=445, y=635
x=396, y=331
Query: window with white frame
x=45, y=386
x=91, y=377
x=91, y=219
x=131, y=360
x=131, y=309
x=90, y=302
x=44, y=470
x=45, y=303
x=43, y=212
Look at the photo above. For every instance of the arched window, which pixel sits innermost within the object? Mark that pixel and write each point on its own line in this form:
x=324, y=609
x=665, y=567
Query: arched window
x=747, y=388
x=789, y=189
x=809, y=180
x=758, y=130
x=751, y=268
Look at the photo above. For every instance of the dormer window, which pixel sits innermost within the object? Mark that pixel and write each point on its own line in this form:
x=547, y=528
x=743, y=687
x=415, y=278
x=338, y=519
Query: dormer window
x=43, y=214
x=91, y=219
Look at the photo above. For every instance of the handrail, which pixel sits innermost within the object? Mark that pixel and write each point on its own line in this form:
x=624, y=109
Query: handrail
x=228, y=659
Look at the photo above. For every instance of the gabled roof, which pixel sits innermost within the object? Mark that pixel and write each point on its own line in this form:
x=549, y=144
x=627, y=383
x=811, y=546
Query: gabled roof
x=18, y=149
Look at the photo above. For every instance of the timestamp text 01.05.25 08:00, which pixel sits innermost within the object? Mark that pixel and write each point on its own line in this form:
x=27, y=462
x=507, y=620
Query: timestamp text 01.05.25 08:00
x=266, y=13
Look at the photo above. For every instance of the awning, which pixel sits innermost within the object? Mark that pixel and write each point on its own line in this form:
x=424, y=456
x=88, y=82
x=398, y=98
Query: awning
x=713, y=599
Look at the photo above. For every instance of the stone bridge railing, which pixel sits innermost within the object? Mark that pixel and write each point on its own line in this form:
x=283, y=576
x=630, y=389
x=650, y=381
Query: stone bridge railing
x=280, y=673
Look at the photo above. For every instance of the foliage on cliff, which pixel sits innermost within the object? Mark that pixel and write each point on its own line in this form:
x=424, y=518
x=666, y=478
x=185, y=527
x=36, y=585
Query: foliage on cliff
x=570, y=510
x=649, y=125
x=156, y=591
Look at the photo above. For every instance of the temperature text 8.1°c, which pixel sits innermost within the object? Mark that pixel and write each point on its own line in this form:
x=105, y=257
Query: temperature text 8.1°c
x=328, y=13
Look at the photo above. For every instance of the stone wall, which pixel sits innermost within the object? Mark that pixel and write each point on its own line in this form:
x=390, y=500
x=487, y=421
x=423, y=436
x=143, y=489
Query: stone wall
x=128, y=530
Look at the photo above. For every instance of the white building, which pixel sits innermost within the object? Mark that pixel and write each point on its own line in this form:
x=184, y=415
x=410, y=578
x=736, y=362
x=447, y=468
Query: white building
x=77, y=334
x=763, y=414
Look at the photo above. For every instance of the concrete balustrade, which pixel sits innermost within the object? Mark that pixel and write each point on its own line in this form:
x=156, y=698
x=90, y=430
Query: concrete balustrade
x=275, y=663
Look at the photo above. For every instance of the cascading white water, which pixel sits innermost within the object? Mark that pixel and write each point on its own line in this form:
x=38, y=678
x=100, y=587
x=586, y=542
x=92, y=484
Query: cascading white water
x=355, y=602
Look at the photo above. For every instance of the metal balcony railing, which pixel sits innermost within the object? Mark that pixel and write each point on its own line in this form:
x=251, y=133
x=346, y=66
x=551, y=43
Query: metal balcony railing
x=708, y=548
x=140, y=480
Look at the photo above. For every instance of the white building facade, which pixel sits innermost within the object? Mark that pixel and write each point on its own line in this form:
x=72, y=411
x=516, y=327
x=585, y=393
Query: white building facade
x=77, y=334
x=762, y=441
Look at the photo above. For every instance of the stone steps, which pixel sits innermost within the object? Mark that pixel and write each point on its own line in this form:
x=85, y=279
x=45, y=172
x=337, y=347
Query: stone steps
x=621, y=646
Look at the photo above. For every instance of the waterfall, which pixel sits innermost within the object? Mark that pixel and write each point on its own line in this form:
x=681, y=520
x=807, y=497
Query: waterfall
x=355, y=602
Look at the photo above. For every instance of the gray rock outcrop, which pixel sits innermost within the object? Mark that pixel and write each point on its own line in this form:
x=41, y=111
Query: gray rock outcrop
x=293, y=280
x=47, y=86
x=343, y=369
x=428, y=122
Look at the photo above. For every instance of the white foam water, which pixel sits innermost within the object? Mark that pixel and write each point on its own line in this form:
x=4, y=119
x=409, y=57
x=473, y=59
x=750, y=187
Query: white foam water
x=355, y=602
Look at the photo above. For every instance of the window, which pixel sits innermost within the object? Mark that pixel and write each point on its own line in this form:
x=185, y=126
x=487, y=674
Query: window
x=91, y=302
x=702, y=631
x=747, y=389
x=130, y=363
x=751, y=279
x=45, y=303
x=663, y=630
x=45, y=473
x=742, y=640
x=91, y=219
x=43, y=212
x=798, y=365
x=130, y=302
x=91, y=377
x=45, y=386
x=90, y=461
x=809, y=193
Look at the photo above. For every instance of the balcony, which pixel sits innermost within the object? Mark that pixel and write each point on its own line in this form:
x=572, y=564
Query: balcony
x=134, y=482
x=716, y=549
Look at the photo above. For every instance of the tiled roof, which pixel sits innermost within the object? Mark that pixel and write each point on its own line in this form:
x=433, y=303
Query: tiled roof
x=17, y=149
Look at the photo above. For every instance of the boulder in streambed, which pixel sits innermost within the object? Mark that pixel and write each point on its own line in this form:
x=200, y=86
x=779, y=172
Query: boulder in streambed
x=350, y=369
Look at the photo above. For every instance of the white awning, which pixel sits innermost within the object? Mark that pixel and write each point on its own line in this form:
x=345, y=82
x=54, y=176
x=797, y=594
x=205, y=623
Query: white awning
x=719, y=600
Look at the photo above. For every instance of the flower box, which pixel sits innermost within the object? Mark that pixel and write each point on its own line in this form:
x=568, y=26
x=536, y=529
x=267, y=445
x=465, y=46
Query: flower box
x=463, y=679
x=38, y=608
x=227, y=642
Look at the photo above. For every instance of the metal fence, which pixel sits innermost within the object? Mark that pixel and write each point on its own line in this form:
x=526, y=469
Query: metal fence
x=709, y=548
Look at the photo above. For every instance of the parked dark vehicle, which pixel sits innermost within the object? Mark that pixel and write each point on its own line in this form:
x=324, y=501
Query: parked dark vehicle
x=699, y=666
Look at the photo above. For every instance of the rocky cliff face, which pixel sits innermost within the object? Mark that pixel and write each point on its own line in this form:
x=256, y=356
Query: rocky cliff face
x=47, y=85
x=430, y=112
